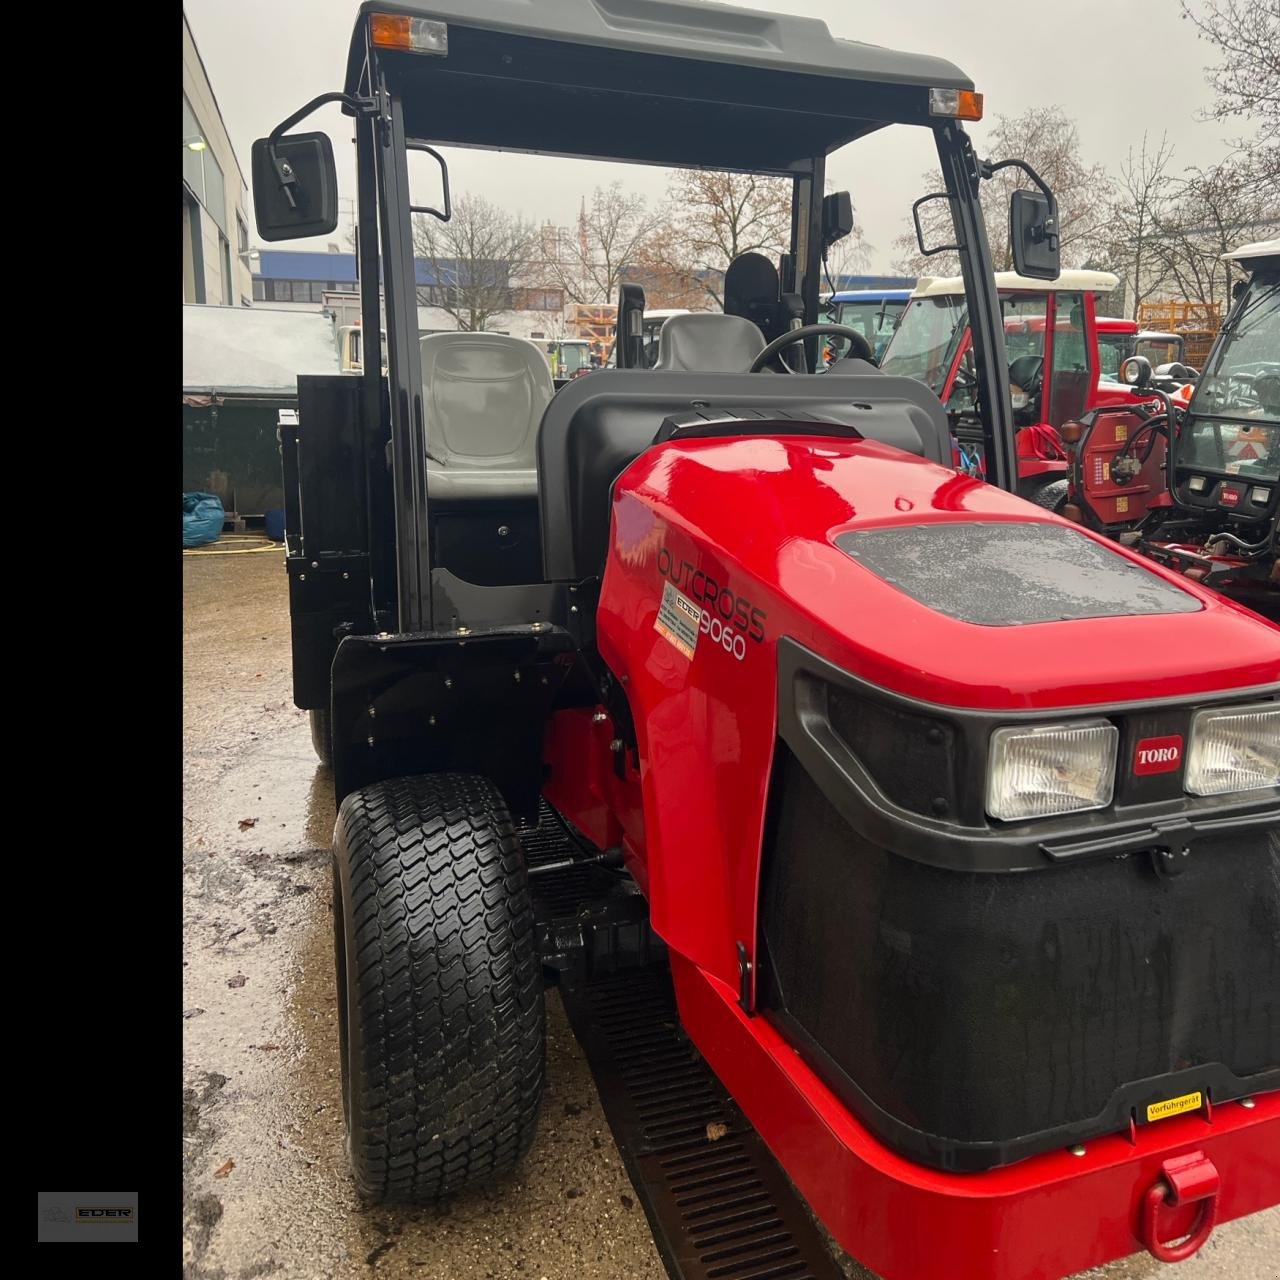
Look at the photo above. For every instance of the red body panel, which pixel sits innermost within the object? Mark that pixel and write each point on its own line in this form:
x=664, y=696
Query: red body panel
x=1038, y=1219
x=745, y=527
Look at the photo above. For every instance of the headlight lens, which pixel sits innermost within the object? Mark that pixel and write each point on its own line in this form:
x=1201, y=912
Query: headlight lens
x=1234, y=749
x=1052, y=768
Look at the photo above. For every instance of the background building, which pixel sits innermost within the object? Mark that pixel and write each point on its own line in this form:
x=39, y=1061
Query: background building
x=215, y=228
x=307, y=281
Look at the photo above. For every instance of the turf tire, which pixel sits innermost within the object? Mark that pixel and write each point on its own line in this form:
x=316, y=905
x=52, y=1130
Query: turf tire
x=322, y=734
x=441, y=1016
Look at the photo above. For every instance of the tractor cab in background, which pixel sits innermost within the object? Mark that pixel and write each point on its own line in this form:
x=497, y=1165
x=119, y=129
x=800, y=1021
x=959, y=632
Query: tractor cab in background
x=1055, y=369
x=1203, y=497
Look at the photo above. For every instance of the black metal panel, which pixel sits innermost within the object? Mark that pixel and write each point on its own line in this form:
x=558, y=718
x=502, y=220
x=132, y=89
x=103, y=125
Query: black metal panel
x=467, y=701
x=1006, y=573
x=970, y=1020
x=325, y=520
x=331, y=465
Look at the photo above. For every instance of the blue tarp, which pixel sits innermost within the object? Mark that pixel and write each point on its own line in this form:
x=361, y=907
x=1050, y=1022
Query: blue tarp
x=202, y=517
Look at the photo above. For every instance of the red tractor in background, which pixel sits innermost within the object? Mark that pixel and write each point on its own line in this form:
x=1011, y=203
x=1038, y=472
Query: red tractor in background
x=1192, y=476
x=1051, y=382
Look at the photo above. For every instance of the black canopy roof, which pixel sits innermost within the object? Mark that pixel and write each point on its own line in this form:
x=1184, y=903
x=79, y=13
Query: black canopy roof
x=672, y=82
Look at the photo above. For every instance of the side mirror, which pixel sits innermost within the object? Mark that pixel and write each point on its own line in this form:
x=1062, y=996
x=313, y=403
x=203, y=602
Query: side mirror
x=837, y=217
x=295, y=186
x=1136, y=372
x=1033, y=235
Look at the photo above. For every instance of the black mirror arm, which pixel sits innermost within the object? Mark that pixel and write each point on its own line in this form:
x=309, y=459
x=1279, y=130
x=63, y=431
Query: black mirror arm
x=987, y=168
x=284, y=170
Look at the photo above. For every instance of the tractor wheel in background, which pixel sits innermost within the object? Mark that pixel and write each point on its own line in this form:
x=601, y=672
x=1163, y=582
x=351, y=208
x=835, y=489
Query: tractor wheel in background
x=322, y=734
x=1051, y=495
x=440, y=1005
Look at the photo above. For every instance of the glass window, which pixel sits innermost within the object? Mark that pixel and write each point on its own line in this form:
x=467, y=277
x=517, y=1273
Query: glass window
x=1070, y=391
x=1025, y=319
x=1024, y=323
x=1111, y=349
x=215, y=191
x=1242, y=382
x=874, y=319
x=259, y=291
x=192, y=164
x=242, y=235
x=925, y=340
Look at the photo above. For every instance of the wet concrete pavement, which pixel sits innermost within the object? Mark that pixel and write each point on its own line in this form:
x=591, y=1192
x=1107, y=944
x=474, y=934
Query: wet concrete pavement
x=266, y=1191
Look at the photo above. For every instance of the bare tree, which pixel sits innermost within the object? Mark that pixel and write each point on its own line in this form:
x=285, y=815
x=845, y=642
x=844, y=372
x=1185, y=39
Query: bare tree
x=1211, y=212
x=476, y=259
x=588, y=265
x=1135, y=229
x=1245, y=34
x=713, y=217
x=1049, y=141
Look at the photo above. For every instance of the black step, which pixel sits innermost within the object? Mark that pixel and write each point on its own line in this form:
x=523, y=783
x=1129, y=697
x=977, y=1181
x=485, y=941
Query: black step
x=719, y=1205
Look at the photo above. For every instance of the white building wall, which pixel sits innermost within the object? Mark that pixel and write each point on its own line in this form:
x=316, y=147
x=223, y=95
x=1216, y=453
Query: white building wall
x=231, y=210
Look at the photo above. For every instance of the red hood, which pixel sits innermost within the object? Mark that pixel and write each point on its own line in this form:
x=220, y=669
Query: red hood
x=771, y=510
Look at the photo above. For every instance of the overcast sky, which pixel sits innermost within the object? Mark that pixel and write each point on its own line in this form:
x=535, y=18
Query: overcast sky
x=1118, y=67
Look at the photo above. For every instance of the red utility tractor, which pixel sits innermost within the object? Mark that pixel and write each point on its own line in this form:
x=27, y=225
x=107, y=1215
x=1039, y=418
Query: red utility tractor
x=874, y=822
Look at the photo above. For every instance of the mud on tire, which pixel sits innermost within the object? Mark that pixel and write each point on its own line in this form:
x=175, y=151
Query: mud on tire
x=440, y=1004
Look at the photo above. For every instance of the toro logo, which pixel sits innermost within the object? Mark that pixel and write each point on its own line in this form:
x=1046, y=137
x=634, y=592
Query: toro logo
x=1158, y=755
x=1229, y=497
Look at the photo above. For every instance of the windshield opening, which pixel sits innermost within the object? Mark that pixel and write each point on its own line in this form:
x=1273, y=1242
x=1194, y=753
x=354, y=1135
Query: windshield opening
x=874, y=318
x=1242, y=384
x=1243, y=377
x=925, y=341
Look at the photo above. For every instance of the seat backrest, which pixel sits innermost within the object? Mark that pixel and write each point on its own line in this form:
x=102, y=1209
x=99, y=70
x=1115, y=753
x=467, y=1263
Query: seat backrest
x=597, y=426
x=483, y=395
x=707, y=342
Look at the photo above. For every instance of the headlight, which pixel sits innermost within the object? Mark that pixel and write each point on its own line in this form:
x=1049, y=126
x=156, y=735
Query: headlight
x=1235, y=749
x=1052, y=768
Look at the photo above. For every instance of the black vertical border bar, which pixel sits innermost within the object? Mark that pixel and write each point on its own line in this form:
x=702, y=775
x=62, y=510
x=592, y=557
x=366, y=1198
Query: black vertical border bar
x=408, y=437
x=960, y=172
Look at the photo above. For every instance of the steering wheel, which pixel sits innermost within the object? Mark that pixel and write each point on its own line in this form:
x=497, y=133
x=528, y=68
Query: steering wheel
x=857, y=344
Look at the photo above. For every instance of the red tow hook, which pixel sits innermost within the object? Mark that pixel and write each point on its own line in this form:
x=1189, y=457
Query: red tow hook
x=1182, y=1180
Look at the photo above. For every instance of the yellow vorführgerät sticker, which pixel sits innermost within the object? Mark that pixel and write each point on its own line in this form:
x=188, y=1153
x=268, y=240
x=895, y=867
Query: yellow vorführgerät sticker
x=1175, y=1106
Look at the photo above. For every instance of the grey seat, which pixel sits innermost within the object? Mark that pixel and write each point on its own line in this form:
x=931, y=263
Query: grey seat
x=706, y=342
x=483, y=397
